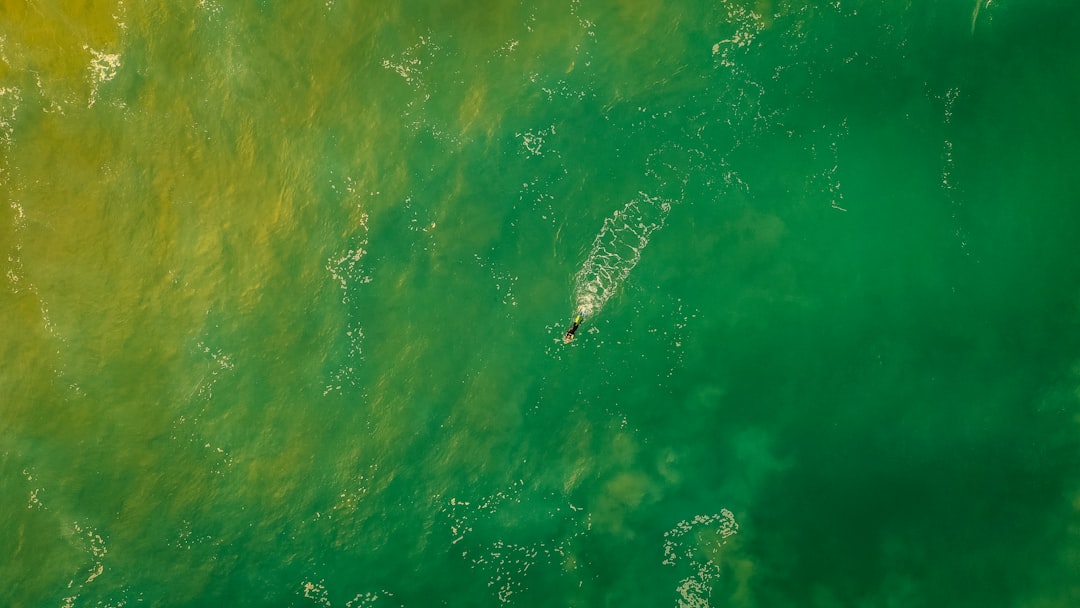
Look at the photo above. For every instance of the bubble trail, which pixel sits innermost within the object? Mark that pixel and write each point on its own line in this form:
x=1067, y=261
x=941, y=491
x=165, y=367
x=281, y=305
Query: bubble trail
x=616, y=250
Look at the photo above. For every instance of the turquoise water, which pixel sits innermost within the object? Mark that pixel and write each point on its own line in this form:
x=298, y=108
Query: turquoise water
x=285, y=286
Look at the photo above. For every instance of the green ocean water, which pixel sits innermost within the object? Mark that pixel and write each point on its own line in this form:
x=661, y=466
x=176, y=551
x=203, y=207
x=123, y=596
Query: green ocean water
x=285, y=285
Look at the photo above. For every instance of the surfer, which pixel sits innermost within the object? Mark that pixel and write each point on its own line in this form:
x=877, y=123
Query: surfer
x=569, y=337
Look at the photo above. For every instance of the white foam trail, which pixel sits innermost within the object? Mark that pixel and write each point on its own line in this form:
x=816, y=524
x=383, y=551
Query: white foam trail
x=616, y=250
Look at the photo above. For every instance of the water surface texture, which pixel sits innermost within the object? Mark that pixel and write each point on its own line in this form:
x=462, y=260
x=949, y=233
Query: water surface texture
x=285, y=286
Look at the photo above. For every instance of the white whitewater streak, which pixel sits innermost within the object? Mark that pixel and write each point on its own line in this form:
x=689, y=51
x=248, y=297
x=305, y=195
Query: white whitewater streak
x=616, y=250
x=975, y=13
